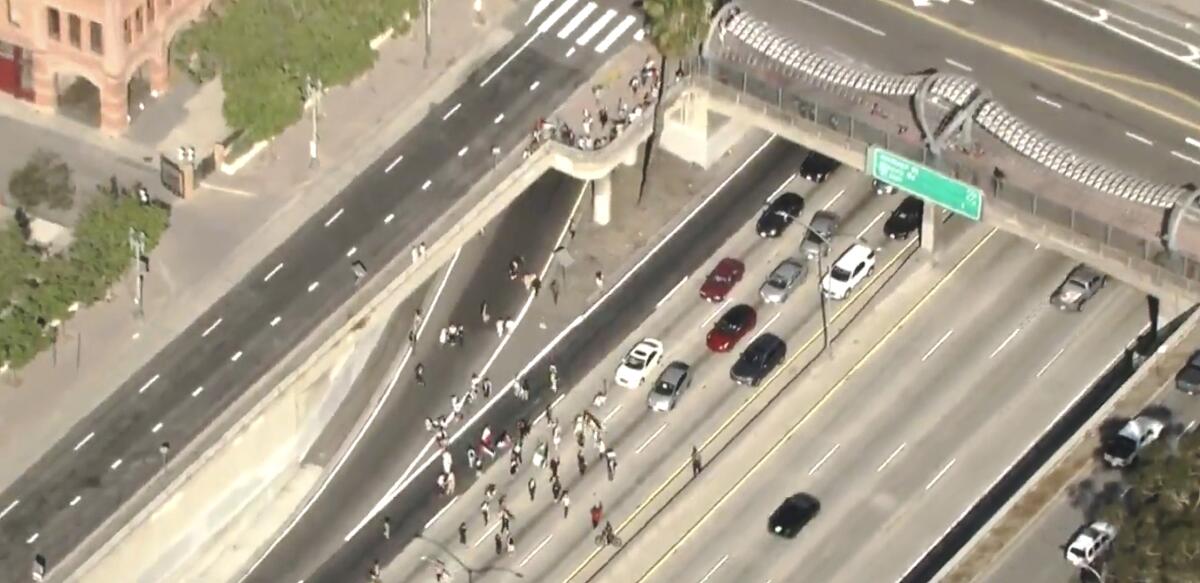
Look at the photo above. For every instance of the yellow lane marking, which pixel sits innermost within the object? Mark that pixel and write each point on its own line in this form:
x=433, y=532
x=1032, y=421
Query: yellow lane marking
x=1056, y=66
x=816, y=406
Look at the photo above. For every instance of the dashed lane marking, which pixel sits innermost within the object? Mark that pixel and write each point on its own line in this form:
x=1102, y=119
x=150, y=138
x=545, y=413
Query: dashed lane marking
x=84, y=441
x=210, y=328
x=334, y=217
x=452, y=111
x=393, y=164
x=152, y=380
x=273, y=272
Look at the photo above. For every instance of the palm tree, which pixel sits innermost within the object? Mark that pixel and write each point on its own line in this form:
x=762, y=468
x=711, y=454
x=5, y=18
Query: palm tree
x=677, y=27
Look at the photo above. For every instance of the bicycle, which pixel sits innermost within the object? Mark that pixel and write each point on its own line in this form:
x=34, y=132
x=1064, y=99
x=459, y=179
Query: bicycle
x=608, y=538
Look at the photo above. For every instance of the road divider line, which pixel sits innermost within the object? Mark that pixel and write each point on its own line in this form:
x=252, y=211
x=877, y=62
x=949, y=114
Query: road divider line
x=795, y=427
x=393, y=164
x=763, y=330
x=426, y=185
x=650, y=439
x=779, y=189
x=510, y=58
x=941, y=473
x=75, y=500
x=1185, y=158
x=9, y=508
x=671, y=293
x=1138, y=138
x=84, y=441
x=452, y=111
x=463, y=152
x=210, y=328
x=335, y=217
x=273, y=272
x=1049, y=362
x=487, y=533
x=351, y=252
x=196, y=392
x=714, y=313
x=890, y=458
x=824, y=459
x=533, y=86
x=535, y=550
x=1188, y=429
x=611, y=413
x=115, y=465
x=275, y=320
x=954, y=63
x=834, y=199
x=32, y=539
x=152, y=380
x=389, y=218
x=439, y=514
x=1051, y=103
x=843, y=17
x=713, y=570
x=1005, y=343
x=937, y=345
x=870, y=224
x=499, y=118
x=1192, y=142
x=236, y=356
x=312, y=286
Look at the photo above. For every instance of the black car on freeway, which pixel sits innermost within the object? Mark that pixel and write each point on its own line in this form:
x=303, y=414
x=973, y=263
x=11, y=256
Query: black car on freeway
x=780, y=213
x=793, y=514
x=905, y=219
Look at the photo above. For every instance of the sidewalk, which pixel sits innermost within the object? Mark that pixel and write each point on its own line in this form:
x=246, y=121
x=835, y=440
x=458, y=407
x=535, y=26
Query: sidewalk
x=227, y=228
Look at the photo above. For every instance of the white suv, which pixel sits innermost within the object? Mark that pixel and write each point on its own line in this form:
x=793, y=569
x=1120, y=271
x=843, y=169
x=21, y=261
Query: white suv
x=1123, y=448
x=848, y=271
x=1090, y=543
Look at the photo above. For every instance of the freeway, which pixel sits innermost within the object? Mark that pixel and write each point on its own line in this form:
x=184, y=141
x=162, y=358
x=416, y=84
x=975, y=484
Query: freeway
x=1036, y=554
x=102, y=461
x=550, y=545
x=344, y=521
x=912, y=435
x=1128, y=104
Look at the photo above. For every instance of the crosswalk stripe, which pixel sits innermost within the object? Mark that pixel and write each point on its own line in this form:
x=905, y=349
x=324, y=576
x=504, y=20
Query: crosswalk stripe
x=538, y=9
x=577, y=20
x=615, y=33
x=596, y=27
x=547, y=24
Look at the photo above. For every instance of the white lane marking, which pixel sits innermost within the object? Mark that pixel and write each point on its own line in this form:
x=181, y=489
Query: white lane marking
x=463, y=151
x=940, y=474
x=494, y=523
x=427, y=184
x=75, y=500
x=1005, y=343
x=9, y=508
x=577, y=20
x=389, y=218
x=538, y=8
x=210, y=328
x=275, y=320
x=954, y=63
x=639, y=35
x=869, y=225
x=1108, y=21
x=779, y=189
x=535, y=550
x=84, y=441
x=237, y=355
x=890, y=458
x=335, y=217
x=834, y=199
x=1049, y=362
x=570, y=52
x=152, y=380
x=197, y=391
x=157, y=427
x=1136, y=137
x=1185, y=158
x=763, y=330
x=352, y=251
x=403, y=483
x=312, y=286
x=596, y=27
x=843, y=17
x=273, y=272
x=719, y=309
x=671, y=293
x=650, y=439
x=937, y=345
x=393, y=164
x=1190, y=426
x=440, y=512
x=616, y=33
x=1054, y=104
x=713, y=570
x=542, y=415
x=509, y=59
x=555, y=16
x=30, y=540
x=824, y=459
x=611, y=413
x=1192, y=142
x=499, y=118
x=533, y=86
x=115, y=465
x=452, y=111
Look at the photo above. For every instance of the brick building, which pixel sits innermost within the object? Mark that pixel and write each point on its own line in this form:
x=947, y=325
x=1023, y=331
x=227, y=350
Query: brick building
x=46, y=44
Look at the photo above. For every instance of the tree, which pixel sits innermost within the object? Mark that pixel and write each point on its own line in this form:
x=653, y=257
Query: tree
x=44, y=180
x=677, y=27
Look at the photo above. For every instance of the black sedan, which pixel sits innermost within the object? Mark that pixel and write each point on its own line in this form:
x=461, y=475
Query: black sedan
x=790, y=518
x=780, y=212
x=905, y=219
x=758, y=360
x=816, y=167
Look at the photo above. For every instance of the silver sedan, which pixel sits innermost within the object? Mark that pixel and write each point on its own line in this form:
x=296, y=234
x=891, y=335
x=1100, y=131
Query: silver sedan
x=784, y=279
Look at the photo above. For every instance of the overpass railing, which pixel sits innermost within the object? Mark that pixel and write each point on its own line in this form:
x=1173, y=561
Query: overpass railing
x=731, y=81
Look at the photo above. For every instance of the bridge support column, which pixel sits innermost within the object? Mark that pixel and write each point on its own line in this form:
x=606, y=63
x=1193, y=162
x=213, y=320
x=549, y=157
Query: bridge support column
x=692, y=132
x=602, y=200
x=931, y=222
x=631, y=157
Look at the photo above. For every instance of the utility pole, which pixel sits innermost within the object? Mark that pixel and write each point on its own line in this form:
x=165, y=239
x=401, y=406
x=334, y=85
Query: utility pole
x=312, y=91
x=827, y=244
x=137, y=244
x=428, y=32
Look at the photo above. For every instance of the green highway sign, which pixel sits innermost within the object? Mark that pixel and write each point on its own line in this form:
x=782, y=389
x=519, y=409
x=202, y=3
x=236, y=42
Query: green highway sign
x=925, y=182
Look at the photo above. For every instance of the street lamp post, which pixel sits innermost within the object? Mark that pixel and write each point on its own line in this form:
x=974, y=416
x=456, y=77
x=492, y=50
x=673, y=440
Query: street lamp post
x=820, y=273
x=312, y=90
x=137, y=244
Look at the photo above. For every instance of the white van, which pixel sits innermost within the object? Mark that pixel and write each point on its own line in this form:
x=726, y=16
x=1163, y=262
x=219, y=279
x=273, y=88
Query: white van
x=848, y=271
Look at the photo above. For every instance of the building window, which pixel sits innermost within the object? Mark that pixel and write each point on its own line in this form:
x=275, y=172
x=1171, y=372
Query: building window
x=75, y=30
x=149, y=10
x=53, y=24
x=138, y=22
x=128, y=32
x=96, y=34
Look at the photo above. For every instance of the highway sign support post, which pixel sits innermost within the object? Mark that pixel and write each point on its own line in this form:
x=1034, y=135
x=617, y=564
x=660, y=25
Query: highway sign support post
x=925, y=182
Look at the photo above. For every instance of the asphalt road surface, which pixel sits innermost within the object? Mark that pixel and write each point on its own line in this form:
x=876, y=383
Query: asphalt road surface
x=582, y=349
x=916, y=433
x=108, y=455
x=1108, y=90
x=1036, y=556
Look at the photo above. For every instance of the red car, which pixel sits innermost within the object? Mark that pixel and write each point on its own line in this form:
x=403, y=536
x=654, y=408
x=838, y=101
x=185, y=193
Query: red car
x=721, y=279
x=733, y=325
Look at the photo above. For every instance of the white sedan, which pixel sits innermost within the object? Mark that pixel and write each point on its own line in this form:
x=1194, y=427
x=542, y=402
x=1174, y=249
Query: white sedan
x=639, y=362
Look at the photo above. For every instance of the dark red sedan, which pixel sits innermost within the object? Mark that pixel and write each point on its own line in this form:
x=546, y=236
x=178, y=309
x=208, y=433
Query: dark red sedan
x=721, y=279
x=732, y=326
